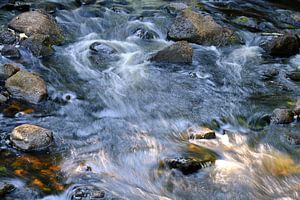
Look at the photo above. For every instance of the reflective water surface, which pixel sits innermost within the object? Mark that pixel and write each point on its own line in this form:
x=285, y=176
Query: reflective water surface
x=114, y=121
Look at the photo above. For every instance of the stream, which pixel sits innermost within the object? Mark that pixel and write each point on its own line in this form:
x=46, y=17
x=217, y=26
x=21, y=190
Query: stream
x=116, y=119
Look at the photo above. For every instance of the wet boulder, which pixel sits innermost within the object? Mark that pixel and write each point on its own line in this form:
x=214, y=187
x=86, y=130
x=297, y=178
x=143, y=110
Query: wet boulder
x=199, y=29
x=282, y=116
x=6, y=188
x=27, y=86
x=201, y=133
x=283, y=46
x=187, y=165
x=38, y=22
x=29, y=137
x=145, y=34
x=10, y=51
x=88, y=192
x=179, y=52
x=7, y=70
x=101, y=54
x=39, y=45
x=7, y=37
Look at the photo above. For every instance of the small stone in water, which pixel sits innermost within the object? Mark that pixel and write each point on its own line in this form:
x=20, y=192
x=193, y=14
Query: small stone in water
x=187, y=165
x=102, y=48
x=29, y=137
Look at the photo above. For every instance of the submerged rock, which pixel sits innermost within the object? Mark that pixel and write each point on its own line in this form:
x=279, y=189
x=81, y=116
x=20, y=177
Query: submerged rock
x=10, y=51
x=101, y=54
x=37, y=22
x=6, y=188
x=196, y=28
x=27, y=86
x=179, y=52
x=187, y=165
x=7, y=70
x=283, y=46
x=201, y=133
x=29, y=137
x=282, y=116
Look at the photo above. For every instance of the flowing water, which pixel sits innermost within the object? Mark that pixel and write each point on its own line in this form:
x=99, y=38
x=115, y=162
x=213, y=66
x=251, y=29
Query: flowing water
x=113, y=123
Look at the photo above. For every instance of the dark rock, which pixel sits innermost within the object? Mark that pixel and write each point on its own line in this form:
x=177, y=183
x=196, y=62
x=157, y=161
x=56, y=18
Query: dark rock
x=6, y=188
x=30, y=137
x=27, y=86
x=10, y=51
x=101, y=54
x=195, y=28
x=89, y=192
x=39, y=45
x=201, y=133
x=295, y=76
x=8, y=70
x=145, y=34
x=7, y=37
x=38, y=22
x=282, y=116
x=187, y=165
x=99, y=47
x=283, y=46
x=179, y=52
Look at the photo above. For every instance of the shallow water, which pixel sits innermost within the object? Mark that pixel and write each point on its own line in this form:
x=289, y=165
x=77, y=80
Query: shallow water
x=122, y=117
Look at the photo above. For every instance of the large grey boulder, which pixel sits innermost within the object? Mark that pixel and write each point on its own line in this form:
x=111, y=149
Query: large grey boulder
x=38, y=22
x=179, y=52
x=199, y=29
x=29, y=137
x=27, y=86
